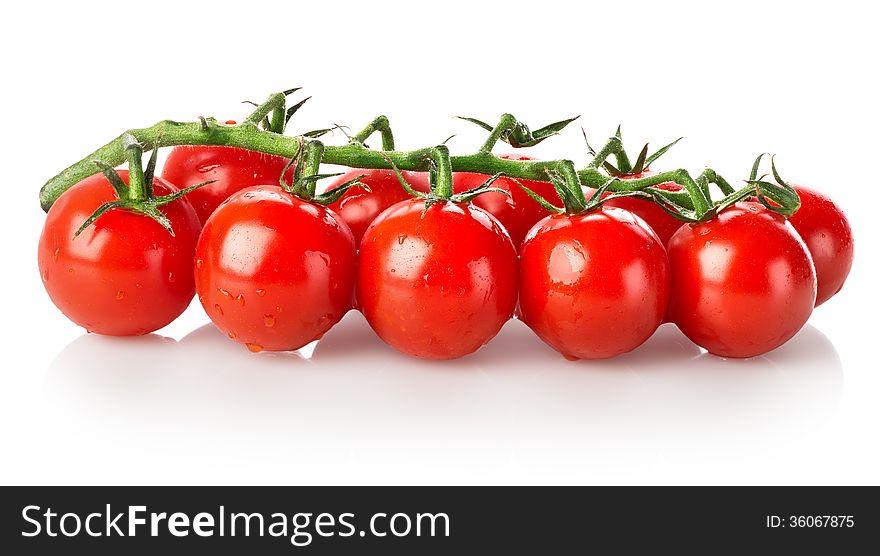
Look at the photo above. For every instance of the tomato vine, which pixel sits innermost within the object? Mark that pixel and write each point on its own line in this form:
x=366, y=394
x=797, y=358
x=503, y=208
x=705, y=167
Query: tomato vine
x=261, y=132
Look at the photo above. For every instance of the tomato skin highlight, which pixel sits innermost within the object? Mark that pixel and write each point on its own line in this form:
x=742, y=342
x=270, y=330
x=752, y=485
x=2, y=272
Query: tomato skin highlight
x=231, y=168
x=359, y=207
x=593, y=285
x=518, y=212
x=825, y=229
x=659, y=221
x=272, y=271
x=124, y=275
x=436, y=283
x=744, y=281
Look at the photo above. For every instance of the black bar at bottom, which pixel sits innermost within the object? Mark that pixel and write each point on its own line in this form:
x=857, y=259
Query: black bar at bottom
x=435, y=520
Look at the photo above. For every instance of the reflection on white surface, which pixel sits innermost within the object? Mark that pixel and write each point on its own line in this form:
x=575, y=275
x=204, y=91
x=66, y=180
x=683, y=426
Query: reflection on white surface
x=356, y=411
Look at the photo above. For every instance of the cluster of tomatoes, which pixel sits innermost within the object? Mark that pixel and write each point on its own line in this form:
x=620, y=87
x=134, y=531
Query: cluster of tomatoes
x=435, y=279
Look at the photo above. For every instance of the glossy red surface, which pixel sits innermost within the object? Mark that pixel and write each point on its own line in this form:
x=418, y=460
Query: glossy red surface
x=274, y=272
x=232, y=168
x=593, y=285
x=828, y=235
x=436, y=284
x=743, y=283
x=125, y=274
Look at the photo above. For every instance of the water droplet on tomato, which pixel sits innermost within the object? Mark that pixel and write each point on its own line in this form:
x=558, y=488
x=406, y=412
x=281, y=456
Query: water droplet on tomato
x=171, y=277
x=55, y=254
x=571, y=357
x=401, y=238
x=277, y=309
x=240, y=299
x=71, y=271
x=225, y=293
x=254, y=348
x=207, y=168
x=120, y=294
x=201, y=299
x=218, y=308
x=138, y=285
x=45, y=275
x=199, y=263
x=269, y=320
x=261, y=293
x=232, y=335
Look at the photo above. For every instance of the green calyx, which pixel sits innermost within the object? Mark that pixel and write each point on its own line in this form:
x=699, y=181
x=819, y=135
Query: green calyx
x=440, y=173
x=515, y=133
x=306, y=174
x=614, y=147
x=137, y=196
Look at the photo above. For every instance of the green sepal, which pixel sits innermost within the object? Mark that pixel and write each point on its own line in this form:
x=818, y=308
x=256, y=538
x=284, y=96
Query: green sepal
x=485, y=187
x=590, y=150
x=292, y=110
x=333, y=195
x=547, y=205
x=612, y=170
x=99, y=212
x=151, y=210
x=119, y=186
x=406, y=186
x=785, y=199
x=756, y=166
x=281, y=181
x=640, y=164
x=519, y=136
x=150, y=170
x=480, y=123
x=171, y=197
x=545, y=132
x=660, y=152
x=315, y=133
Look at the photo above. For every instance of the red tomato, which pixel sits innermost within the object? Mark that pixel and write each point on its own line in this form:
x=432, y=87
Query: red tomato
x=232, y=169
x=517, y=213
x=125, y=274
x=593, y=285
x=658, y=219
x=744, y=281
x=359, y=207
x=274, y=272
x=828, y=235
x=436, y=283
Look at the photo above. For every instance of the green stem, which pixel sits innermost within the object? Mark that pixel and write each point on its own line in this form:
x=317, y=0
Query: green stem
x=573, y=183
x=443, y=168
x=277, y=123
x=137, y=186
x=274, y=104
x=613, y=146
x=505, y=124
x=381, y=125
x=248, y=136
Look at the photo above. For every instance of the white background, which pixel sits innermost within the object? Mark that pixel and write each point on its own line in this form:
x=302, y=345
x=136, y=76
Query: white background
x=736, y=79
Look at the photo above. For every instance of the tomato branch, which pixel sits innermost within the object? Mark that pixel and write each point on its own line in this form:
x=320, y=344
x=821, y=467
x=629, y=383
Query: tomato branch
x=695, y=201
